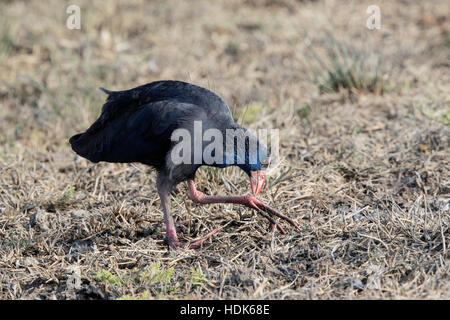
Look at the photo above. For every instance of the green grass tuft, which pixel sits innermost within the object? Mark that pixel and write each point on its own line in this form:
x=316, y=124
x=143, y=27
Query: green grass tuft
x=196, y=277
x=143, y=296
x=6, y=38
x=106, y=276
x=344, y=67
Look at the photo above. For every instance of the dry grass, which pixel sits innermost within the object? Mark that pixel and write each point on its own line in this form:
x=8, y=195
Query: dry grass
x=364, y=172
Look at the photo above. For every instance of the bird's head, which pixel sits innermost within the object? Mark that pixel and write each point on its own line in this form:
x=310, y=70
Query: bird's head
x=252, y=157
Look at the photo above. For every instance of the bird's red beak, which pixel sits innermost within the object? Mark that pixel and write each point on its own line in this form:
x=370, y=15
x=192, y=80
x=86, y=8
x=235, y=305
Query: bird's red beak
x=257, y=180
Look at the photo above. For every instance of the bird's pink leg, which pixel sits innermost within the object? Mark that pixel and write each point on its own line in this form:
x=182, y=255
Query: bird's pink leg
x=172, y=241
x=248, y=201
x=171, y=238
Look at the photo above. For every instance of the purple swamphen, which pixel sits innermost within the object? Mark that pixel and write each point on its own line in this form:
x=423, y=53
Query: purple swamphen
x=136, y=125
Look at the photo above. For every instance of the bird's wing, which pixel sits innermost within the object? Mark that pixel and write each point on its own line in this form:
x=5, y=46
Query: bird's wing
x=164, y=90
x=136, y=124
x=139, y=134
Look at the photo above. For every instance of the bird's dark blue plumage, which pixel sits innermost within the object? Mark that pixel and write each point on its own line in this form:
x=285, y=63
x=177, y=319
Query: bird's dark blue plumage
x=136, y=125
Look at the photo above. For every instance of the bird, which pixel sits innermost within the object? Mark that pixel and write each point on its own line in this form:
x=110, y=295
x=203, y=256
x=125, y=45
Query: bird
x=137, y=126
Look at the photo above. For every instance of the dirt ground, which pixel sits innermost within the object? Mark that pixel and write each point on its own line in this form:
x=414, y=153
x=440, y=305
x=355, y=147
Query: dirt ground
x=364, y=172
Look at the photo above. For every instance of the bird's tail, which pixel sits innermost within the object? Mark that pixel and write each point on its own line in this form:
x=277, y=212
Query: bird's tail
x=85, y=146
x=108, y=92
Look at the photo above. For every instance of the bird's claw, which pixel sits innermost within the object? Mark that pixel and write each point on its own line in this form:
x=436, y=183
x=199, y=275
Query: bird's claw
x=266, y=211
x=174, y=243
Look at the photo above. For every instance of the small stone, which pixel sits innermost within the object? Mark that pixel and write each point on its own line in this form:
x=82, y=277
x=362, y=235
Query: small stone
x=354, y=282
x=40, y=219
x=80, y=214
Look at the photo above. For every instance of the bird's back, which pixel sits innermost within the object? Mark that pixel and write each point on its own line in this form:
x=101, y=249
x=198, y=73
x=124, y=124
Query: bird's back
x=136, y=125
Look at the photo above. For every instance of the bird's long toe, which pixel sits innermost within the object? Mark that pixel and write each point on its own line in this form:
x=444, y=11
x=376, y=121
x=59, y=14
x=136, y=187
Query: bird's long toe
x=266, y=210
x=175, y=243
x=279, y=227
x=272, y=221
x=197, y=244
